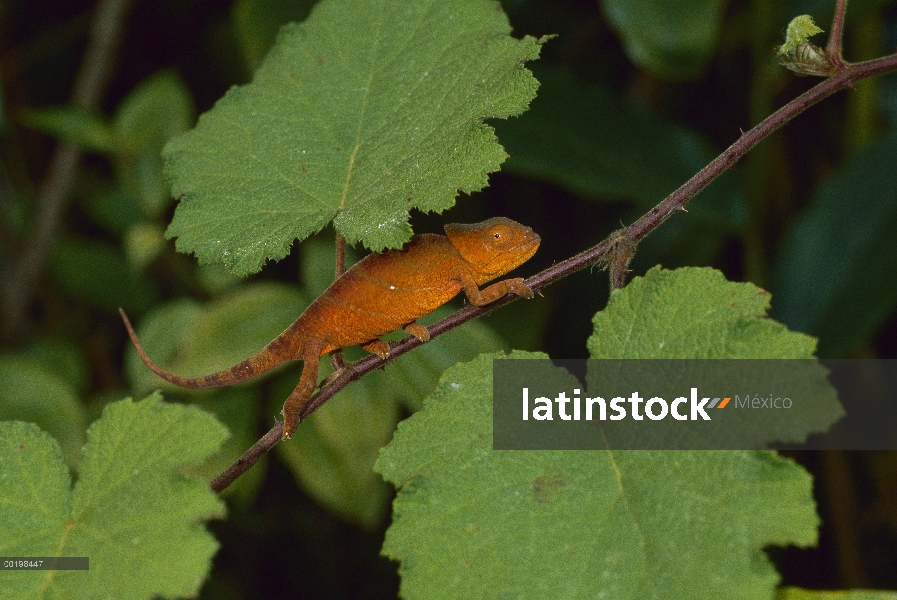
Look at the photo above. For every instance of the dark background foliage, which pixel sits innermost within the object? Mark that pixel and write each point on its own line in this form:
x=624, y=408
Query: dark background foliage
x=809, y=215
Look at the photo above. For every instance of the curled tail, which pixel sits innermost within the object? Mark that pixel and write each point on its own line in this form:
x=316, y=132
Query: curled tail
x=280, y=350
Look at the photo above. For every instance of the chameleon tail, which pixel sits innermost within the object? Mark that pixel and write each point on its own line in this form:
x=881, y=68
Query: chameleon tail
x=272, y=355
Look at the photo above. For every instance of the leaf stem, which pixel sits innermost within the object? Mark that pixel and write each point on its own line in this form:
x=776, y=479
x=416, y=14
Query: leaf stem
x=672, y=204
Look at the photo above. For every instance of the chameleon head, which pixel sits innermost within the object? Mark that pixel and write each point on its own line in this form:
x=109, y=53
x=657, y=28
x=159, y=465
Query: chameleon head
x=494, y=247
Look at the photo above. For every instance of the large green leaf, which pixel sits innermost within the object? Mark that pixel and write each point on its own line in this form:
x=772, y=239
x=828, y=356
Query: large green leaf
x=618, y=524
x=692, y=313
x=470, y=522
x=672, y=38
x=366, y=110
x=131, y=512
x=836, y=275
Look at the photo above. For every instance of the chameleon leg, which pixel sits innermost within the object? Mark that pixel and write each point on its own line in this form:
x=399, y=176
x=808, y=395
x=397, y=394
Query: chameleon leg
x=296, y=401
x=417, y=330
x=378, y=347
x=495, y=291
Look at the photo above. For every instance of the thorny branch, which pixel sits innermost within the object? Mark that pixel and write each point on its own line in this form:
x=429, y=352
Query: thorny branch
x=614, y=252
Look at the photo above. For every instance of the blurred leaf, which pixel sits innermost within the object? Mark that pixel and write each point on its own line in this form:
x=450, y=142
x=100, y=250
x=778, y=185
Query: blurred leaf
x=109, y=205
x=132, y=512
x=237, y=409
x=160, y=332
x=363, y=112
x=584, y=139
x=792, y=593
x=152, y=113
x=62, y=357
x=332, y=453
x=97, y=274
x=76, y=125
x=671, y=38
x=192, y=341
x=143, y=243
x=256, y=23
x=692, y=313
x=548, y=524
x=836, y=274
x=30, y=391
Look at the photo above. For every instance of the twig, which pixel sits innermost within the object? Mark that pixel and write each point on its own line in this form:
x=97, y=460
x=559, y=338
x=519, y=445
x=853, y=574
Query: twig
x=834, y=48
x=672, y=204
x=52, y=199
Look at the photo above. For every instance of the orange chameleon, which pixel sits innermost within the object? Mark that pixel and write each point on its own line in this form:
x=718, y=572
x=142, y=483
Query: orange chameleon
x=379, y=294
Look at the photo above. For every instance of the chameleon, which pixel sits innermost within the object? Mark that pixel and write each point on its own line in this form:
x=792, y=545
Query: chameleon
x=382, y=293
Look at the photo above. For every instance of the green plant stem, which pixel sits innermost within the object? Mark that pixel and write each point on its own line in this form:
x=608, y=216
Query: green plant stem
x=52, y=199
x=671, y=205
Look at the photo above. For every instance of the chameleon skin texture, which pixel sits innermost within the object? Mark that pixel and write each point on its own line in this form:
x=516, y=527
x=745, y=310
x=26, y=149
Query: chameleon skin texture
x=379, y=294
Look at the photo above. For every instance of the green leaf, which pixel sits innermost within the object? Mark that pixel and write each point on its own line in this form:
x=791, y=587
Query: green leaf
x=547, y=524
x=836, y=274
x=799, y=30
x=692, y=313
x=77, y=125
x=193, y=341
x=143, y=243
x=793, y=593
x=63, y=357
x=368, y=109
x=256, y=23
x=131, y=511
x=98, y=274
x=671, y=38
x=332, y=452
x=801, y=56
x=238, y=409
x=33, y=392
x=157, y=109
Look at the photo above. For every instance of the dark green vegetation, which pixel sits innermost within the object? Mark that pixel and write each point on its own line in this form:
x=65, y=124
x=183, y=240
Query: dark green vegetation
x=635, y=97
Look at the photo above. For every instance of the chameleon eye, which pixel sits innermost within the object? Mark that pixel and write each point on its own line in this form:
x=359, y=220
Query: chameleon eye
x=496, y=235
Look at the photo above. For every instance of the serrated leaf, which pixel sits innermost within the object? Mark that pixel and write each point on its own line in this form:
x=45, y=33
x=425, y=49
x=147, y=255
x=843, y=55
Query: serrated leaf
x=76, y=125
x=131, y=511
x=548, y=524
x=692, y=313
x=836, y=275
x=671, y=38
x=256, y=22
x=366, y=110
x=30, y=391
